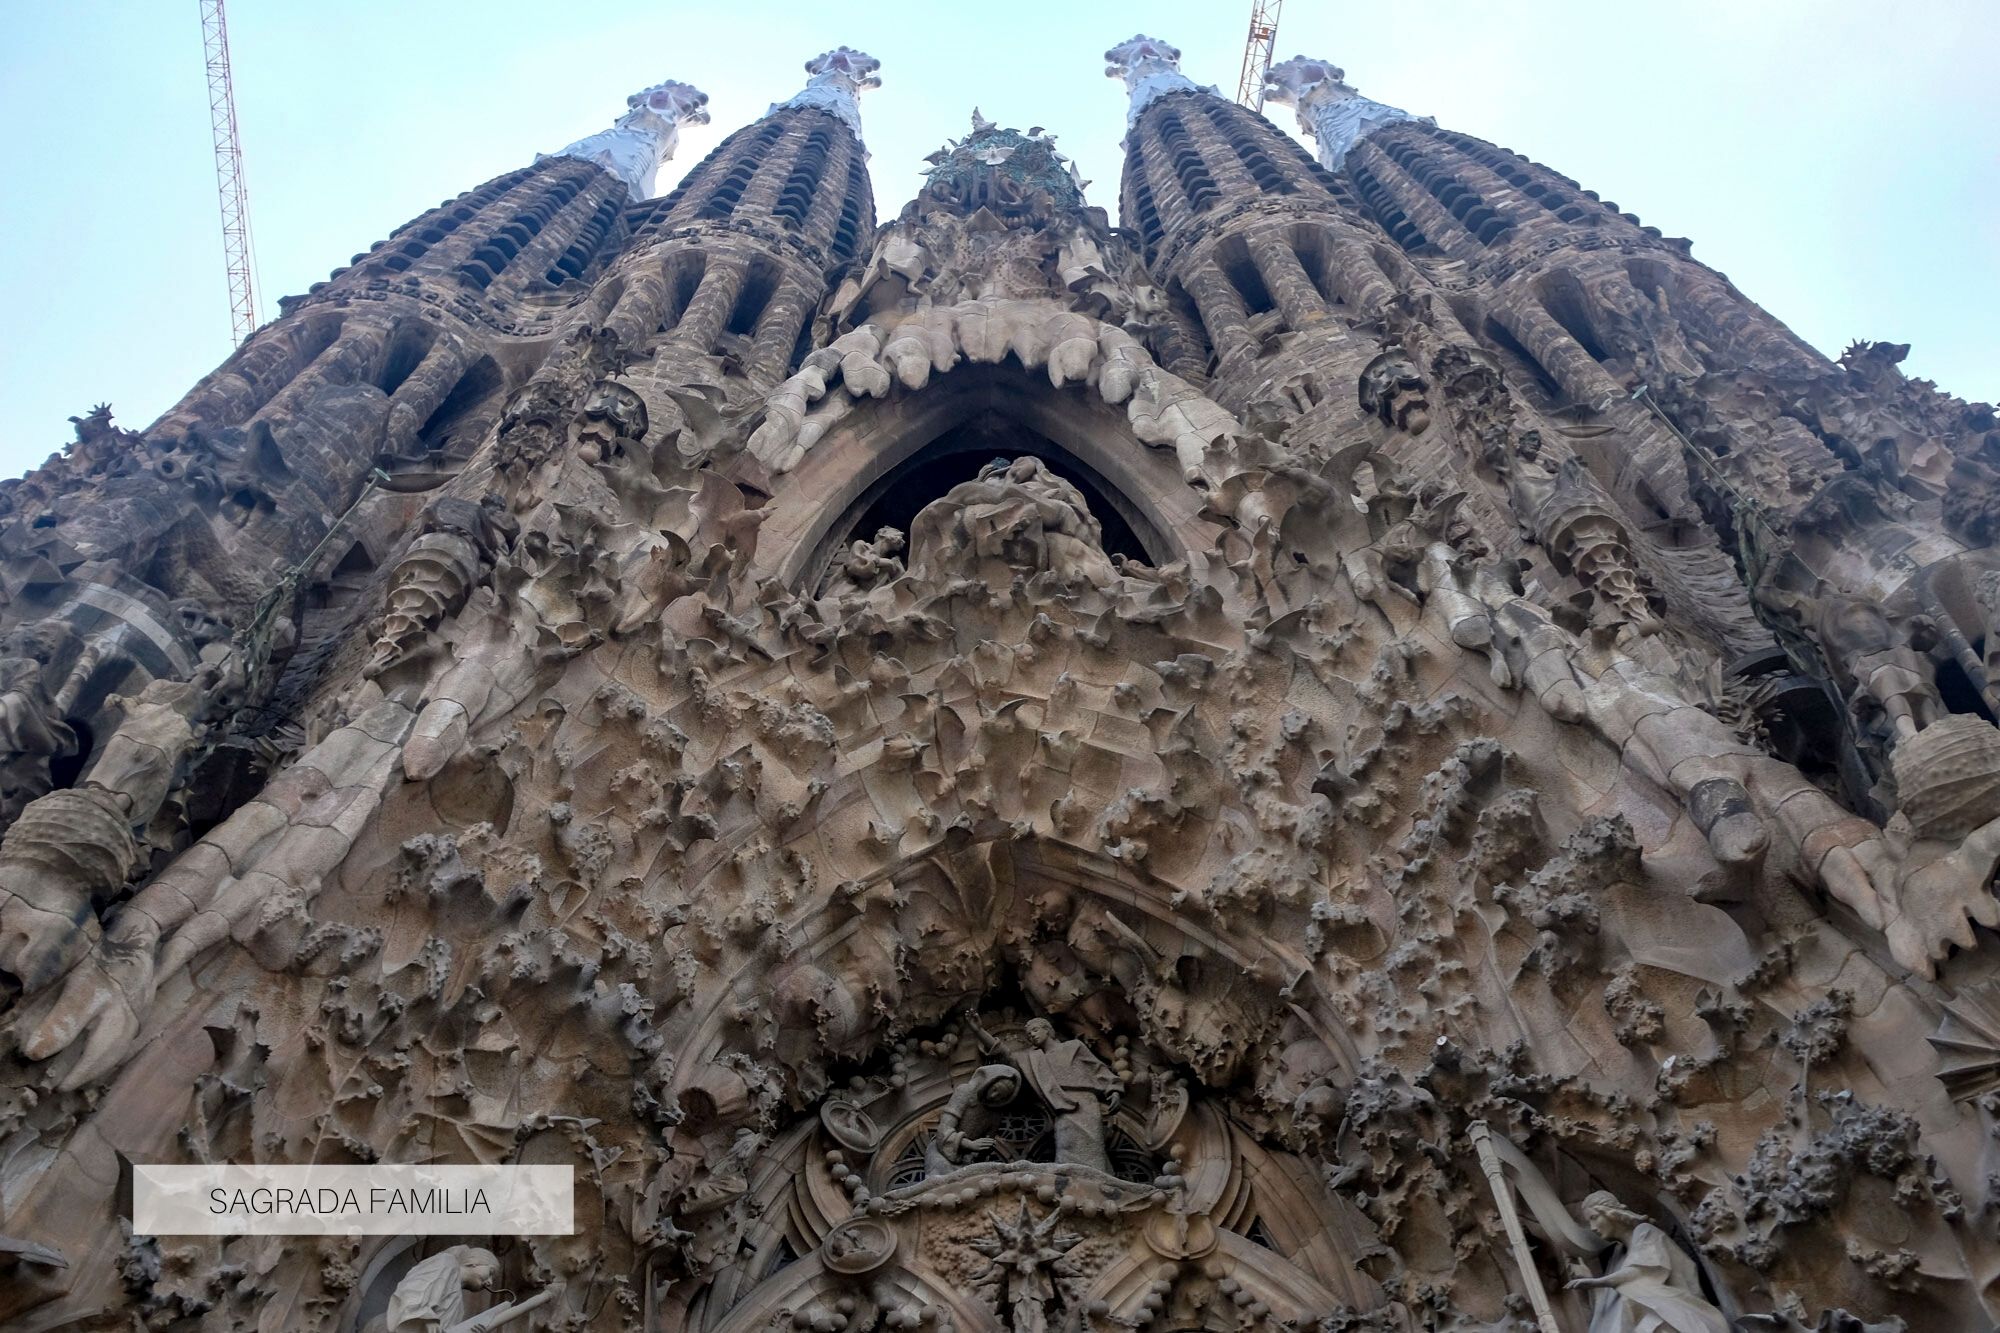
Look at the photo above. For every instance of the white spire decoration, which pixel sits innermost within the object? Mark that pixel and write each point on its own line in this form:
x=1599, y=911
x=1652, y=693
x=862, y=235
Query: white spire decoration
x=645, y=136
x=839, y=77
x=1150, y=67
x=1329, y=110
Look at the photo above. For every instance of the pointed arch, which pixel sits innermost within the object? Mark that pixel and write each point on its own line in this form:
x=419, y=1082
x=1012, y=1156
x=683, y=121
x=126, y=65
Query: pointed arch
x=1071, y=428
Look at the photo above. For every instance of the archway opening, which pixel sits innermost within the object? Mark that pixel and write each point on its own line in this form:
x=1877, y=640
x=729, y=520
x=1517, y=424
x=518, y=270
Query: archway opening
x=956, y=456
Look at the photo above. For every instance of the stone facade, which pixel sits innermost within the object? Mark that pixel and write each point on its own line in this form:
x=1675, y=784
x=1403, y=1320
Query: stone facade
x=1375, y=748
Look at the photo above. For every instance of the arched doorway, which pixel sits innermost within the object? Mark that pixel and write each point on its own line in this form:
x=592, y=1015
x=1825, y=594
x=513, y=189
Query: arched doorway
x=961, y=421
x=894, y=500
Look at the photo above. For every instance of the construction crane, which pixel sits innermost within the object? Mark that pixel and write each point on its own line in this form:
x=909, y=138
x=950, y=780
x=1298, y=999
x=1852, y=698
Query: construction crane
x=229, y=188
x=1257, y=52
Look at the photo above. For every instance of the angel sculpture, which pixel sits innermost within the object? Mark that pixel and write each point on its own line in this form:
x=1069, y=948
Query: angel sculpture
x=1648, y=1283
x=431, y=1296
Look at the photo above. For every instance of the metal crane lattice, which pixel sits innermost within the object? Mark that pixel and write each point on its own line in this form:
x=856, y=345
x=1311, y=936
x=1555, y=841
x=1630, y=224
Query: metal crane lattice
x=229, y=187
x=1258, y=51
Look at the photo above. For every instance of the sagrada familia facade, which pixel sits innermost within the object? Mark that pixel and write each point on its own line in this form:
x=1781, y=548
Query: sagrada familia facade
x=1372, y=748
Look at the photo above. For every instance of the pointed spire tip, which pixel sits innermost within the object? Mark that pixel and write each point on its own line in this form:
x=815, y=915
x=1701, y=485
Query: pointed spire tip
x=839, y=77
x=1329, y=109
x=644, y=138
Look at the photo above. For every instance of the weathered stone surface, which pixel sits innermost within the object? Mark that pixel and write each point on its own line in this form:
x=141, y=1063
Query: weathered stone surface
x=1375, y=749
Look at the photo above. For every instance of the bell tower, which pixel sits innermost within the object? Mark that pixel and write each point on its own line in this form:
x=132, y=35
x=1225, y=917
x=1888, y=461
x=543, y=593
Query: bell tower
x=734, y=261
x=1260, y=242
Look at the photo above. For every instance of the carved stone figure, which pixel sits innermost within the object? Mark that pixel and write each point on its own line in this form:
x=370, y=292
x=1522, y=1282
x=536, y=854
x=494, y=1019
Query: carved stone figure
x=954, y=1141
x=32, y=732
x=1018, y=514
x=431, y=1296
x=1080, y=1091
x=1649, y=1285
x=1394, y=390
x=613, y=419
x=138, y=764
x=866, y=566
x=1881, y=664
x=859, y=1246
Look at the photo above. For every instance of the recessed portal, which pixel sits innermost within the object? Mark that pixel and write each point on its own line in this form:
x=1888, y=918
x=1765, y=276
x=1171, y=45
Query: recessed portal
x=957, y=456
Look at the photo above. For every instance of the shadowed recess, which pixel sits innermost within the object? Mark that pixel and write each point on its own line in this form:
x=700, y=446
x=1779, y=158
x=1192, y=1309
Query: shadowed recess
x=958, y=455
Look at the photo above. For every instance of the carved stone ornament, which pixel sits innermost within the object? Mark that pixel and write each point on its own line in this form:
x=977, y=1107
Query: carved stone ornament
x=859, y=1246
x=849, y=1125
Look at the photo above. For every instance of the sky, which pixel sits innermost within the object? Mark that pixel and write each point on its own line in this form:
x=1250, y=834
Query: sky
x=1837, y=159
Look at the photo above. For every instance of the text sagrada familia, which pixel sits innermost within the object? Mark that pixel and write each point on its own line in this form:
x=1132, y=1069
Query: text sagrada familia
x=1375, y=748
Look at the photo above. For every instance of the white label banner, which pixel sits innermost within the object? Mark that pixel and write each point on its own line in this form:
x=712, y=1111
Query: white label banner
x=379, y=1200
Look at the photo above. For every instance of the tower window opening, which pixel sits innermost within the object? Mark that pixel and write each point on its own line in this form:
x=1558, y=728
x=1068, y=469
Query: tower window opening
x=795, y=200
x=1259, y=1234
x=1145, y=210
x=682, y=286
x=847, y=235
x=1196, y=182
x=1187, y=320
x=1383, y=205
x=65, y=769
x=1563, y=297
x=801, y=346
x=405, y=352
x=1520, y=360
x=1244, y=132
x=1648, y=276
x=1313, y=259
x=345, y=581
x=1242, y=273
x=751, y=300
x=1263, y=171
x=1958, y=692
x=458, y=419
x=583, y=250
x=723, y=201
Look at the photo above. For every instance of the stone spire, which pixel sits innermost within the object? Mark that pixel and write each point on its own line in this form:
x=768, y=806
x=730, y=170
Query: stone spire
x=1336, y=116
x=1150, y=68
x=645, y=136
x=839, y=77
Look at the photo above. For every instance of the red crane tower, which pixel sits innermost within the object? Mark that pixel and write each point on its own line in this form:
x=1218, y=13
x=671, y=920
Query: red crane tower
x=1257, y=52
x=229, y=188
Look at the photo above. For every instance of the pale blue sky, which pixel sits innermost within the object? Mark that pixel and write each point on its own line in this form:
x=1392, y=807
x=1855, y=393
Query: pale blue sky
x=1837, y=159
